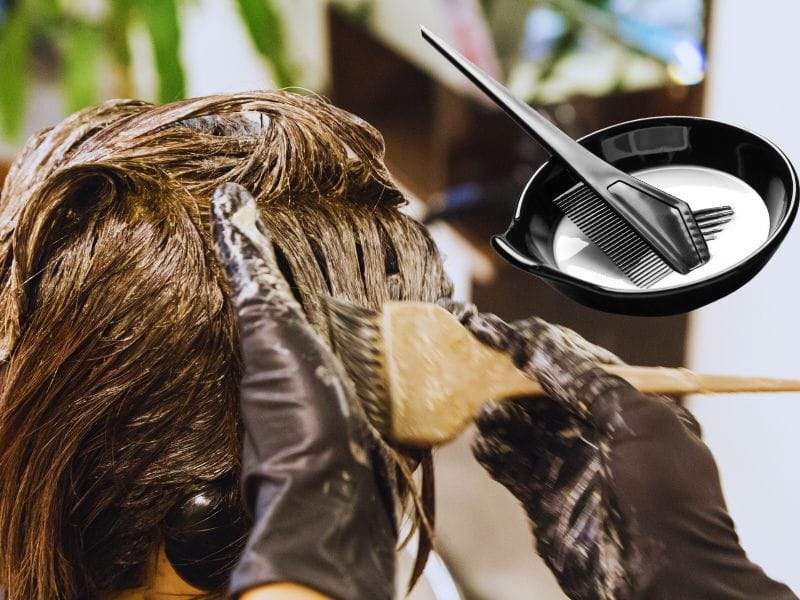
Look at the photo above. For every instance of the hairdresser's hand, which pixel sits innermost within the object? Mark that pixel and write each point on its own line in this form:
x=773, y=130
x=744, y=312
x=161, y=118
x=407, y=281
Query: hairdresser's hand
x=623, y=495
x=320, y=518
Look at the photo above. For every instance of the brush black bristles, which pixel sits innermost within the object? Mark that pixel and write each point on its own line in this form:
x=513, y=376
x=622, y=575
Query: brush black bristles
x=619, y=241
x=713, y=220
x=357, y=340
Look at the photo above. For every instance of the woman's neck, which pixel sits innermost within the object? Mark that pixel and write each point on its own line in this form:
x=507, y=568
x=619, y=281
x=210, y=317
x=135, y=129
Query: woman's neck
x=164, y=584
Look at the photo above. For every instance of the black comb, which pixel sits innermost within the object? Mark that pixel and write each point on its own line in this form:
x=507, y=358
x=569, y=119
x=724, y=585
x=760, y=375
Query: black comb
x=649, y=224
x=628, y=251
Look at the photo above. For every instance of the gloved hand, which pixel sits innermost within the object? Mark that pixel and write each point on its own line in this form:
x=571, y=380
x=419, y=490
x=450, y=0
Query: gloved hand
x=320, y=518
x=623, y=495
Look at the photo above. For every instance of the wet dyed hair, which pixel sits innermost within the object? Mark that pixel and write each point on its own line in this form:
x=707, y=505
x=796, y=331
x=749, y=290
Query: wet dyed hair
x=120, y=370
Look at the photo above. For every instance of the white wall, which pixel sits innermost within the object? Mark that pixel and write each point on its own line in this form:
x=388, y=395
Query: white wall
x=753, y=81
x=219, y=56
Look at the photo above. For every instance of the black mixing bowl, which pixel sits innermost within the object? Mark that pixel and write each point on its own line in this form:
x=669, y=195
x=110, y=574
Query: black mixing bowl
x=643, y=144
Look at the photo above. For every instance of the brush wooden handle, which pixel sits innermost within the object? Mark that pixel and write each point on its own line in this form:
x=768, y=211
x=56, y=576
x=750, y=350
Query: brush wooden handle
x=657, y=380
x=440, y=375
x=663, y=380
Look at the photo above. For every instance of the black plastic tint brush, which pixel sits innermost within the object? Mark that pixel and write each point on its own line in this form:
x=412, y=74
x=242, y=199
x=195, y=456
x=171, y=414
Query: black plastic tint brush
x=645, y=231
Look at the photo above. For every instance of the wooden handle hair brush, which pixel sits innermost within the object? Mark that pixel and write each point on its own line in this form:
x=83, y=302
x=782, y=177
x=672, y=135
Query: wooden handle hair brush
x=422, y=377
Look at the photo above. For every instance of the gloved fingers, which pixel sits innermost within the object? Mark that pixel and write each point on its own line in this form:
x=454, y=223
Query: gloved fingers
x=685, y=416
x=529, y=444
x=565, y=338
x=502, y=446
x=507, y=420
x=551, y=461
x=568, y=367
x=293, y=387
x=459, y=310
x=521, y=421
x=583, y=346
x=486, y=327
x=657, y=416
x=244, y=248
x=307, y=458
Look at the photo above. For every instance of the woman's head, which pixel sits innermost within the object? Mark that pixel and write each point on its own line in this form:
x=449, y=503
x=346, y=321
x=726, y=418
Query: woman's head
x=120, y=373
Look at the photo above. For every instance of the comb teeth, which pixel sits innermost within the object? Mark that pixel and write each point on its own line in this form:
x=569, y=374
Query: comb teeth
x=620, y=242
x=609, y=232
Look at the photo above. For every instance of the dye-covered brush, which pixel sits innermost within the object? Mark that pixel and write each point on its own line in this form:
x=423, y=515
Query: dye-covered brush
x=645, y=231
x=422, y=377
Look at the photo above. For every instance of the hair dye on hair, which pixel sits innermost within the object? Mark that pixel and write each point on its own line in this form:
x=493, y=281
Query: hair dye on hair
x=120, y=368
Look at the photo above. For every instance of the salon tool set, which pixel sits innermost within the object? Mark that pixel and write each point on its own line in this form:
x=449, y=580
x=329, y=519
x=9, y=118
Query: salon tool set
x=422, y=377
x=646, y=234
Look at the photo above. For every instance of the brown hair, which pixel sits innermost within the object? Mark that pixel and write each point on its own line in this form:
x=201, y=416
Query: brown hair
x=118, y=387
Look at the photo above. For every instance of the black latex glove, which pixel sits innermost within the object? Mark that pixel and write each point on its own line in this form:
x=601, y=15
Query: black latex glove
x=320, y=519
x=623, y=495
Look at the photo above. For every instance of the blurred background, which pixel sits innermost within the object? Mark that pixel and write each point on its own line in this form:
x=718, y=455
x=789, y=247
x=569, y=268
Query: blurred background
x=586, y=64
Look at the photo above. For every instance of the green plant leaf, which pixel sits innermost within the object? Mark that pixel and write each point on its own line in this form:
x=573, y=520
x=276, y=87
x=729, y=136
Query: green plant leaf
x=563, y=47
x=115, y=32
x=15, y=39
x=161, y=19
x=81, y=50
x=265, y=25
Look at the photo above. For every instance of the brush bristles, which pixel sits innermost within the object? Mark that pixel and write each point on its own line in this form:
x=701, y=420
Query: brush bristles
x=712, y=221
x=357, y=340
